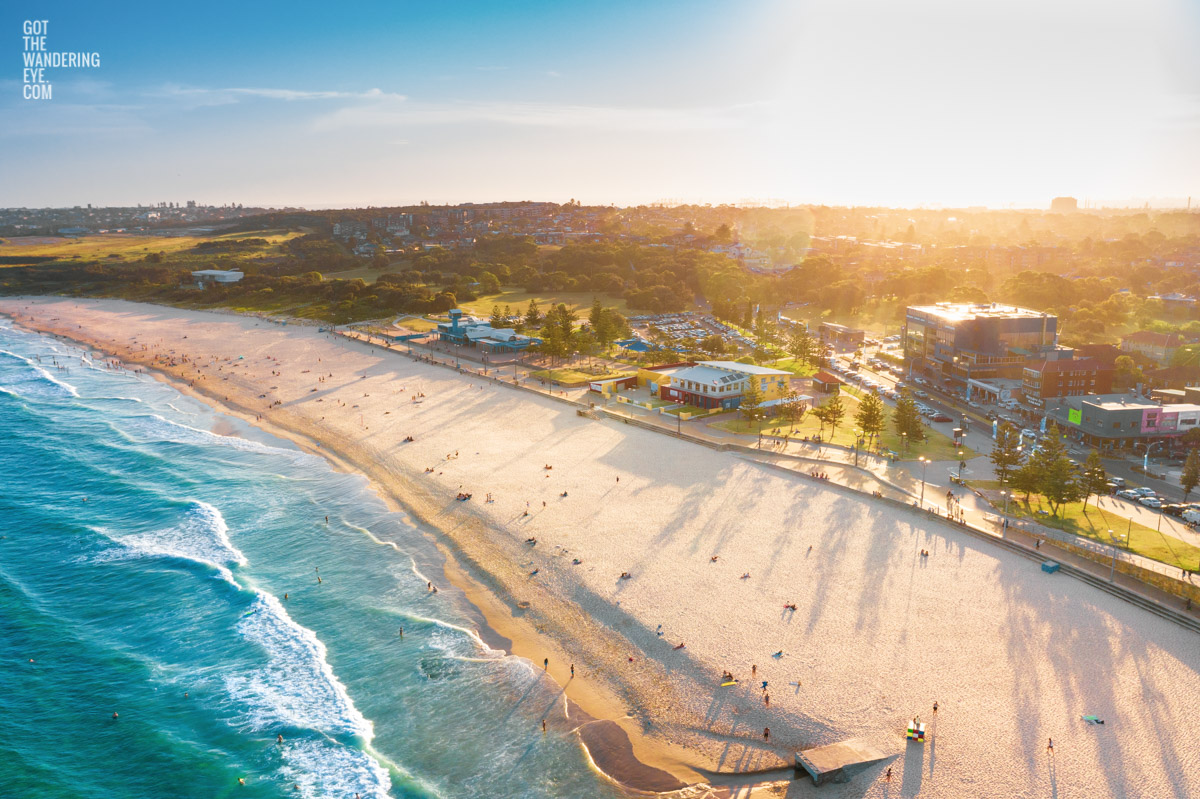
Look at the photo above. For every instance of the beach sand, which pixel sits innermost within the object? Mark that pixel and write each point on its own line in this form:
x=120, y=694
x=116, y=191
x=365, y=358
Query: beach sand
x=1012, y=655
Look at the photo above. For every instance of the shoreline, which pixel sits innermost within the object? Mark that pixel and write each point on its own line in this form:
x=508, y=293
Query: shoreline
x=885, y=609
x=596, y=713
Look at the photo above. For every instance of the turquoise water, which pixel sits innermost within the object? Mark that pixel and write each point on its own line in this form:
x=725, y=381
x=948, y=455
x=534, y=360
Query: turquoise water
x=143, y=571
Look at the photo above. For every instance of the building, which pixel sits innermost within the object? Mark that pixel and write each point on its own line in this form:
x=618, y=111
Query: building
x=722, y=384
x=1117, y=421
x=1158, y=347
x=1043, y=380
x=826, y=383
x=473, y=333
x=841, y=337
x=207, y=277
x=962, y=341
x=1064, y=205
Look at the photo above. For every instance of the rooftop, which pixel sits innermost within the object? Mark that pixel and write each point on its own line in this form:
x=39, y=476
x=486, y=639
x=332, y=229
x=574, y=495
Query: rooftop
x=744, y=368
x=963, y=311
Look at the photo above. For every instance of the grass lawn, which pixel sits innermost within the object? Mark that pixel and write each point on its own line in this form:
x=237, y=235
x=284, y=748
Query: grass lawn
x=518, y=299
x=130, y=246
x=417, y=324
x=798, y=368
x=935, y=446
x=1096, y=523
x=570, y=375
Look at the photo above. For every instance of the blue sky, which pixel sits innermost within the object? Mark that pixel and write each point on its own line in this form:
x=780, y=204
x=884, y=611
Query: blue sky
x=841, y=102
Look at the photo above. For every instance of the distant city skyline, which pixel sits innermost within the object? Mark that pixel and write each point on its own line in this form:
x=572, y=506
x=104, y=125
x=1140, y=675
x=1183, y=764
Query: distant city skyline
x=932, y=103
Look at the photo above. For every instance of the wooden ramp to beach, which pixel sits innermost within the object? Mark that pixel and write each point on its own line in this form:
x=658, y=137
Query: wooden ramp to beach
x=838, y=762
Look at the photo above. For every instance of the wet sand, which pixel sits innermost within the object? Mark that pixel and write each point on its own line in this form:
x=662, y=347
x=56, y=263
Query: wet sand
x=878, y=633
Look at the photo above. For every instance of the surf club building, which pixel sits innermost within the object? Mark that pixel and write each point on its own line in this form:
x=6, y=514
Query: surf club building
x=722, y=384
x=472, y=333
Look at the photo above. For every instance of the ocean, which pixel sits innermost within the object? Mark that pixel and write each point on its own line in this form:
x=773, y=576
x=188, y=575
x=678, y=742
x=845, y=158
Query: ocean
x=156, y=570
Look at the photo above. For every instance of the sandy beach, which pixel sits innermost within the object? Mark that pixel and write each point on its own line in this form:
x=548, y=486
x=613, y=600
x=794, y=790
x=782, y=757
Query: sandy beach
x=717, y=547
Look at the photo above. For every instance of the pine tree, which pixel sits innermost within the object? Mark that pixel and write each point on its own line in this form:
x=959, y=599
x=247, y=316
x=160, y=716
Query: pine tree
x=1006, y=452
x=906, y=419
x=533, y=317
x=1191, y=473
x=800, y=346
x=497, y=319
x=1093, y=478
x=870, y=415
x=752, y=399
x=1057, y=479
x=597, y=314
x=834, y=412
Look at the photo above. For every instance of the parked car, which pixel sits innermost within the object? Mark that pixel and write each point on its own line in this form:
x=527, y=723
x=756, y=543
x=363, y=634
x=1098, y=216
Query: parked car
x=1117, y=481
x=1145, y=492
x=1129, y=493
x=1150, y=502
x=940, y=417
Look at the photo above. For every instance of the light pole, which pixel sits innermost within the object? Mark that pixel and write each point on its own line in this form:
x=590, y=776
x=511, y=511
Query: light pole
x=960, y=464
x=1005, y=525
x=1113, y=542
x=904, y=440
x=924, y=465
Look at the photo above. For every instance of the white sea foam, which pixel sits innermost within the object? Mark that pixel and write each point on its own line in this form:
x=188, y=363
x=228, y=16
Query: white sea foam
x=41, y=383
x=202, y=536
x=296, y=687
x=322, y=768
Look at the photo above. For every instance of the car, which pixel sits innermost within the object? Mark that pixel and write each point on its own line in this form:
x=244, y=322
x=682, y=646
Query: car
x=1129, y=493
x=1027, y=433
x=1150, y=502
x=940, y=417
x=1144, y=492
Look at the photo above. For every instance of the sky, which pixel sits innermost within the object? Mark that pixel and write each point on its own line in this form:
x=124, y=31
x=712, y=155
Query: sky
x=839, y=102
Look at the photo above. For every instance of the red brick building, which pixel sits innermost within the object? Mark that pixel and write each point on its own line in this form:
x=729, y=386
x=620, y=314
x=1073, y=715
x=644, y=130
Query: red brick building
x=1045, y=380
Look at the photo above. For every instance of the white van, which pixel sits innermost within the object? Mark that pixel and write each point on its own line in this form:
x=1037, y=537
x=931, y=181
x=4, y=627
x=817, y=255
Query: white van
x=1191, y=516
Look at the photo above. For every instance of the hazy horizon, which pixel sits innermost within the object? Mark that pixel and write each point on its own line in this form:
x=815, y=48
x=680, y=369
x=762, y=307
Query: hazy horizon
x=933, y=105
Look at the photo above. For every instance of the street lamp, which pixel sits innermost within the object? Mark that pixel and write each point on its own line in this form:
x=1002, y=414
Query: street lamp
x=1005, y=495
x=1113, y=543
x=904, y=440
x=924, y=465
x=960, y=464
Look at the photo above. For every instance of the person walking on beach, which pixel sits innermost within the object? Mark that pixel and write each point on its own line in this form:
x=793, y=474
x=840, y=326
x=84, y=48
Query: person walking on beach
x=1050, y=745
x=572, y=671
x=888, y=777
x=546, y=664
x=935, y=708
x=543, y=726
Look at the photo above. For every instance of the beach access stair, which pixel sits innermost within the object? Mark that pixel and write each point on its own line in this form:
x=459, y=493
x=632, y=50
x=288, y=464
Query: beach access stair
x=838, y=762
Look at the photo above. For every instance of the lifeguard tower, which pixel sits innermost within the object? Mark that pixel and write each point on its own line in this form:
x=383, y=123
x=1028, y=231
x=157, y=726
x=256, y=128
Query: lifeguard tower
x=916, y=730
